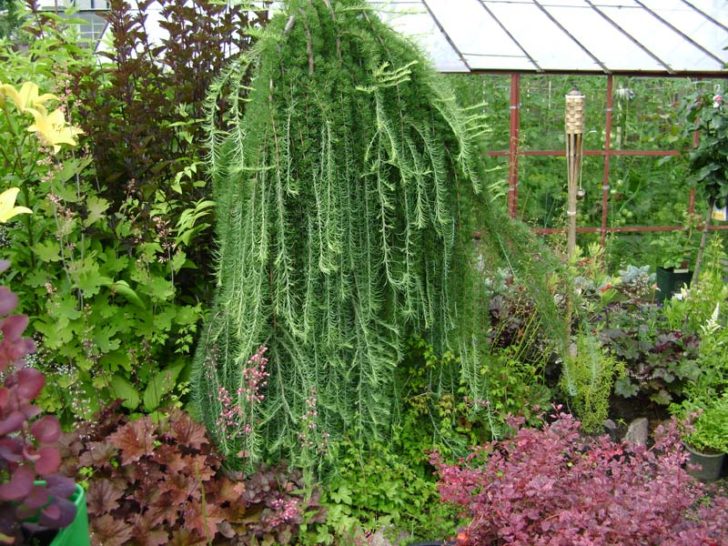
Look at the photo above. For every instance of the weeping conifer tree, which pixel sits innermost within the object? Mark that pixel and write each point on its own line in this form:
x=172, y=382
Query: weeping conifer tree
x=349, y=185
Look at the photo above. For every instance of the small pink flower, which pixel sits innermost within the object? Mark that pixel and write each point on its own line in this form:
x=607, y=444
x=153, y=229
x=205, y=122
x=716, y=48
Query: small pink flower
x=717, y=101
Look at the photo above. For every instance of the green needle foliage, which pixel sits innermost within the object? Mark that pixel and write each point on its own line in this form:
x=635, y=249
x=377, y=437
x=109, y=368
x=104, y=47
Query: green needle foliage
x=350, y=215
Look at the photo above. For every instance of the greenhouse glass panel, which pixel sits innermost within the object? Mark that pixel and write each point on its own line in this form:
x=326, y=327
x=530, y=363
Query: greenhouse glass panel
x=542, y=39
x=615, y=50
x=669, y=46
x=475, y=33
x=702, y=30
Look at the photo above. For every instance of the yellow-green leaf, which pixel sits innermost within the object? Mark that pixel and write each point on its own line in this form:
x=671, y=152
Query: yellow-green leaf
x=121, y=388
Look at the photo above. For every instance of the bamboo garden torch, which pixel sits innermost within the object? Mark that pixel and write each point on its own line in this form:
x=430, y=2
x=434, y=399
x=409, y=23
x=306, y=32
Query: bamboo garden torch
x=574, y=123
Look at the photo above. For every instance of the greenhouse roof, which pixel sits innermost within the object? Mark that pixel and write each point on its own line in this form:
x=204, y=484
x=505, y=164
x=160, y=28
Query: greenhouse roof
x=660, y=37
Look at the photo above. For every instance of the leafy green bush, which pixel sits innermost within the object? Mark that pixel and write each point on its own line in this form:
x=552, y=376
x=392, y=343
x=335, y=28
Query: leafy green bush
x=375, y=488
x=708, y=432
x=107, y=304
x=587, y=378
x=708, y=295
x=112, y=266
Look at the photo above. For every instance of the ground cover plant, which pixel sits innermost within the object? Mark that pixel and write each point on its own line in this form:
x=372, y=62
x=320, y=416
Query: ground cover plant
x=555, y=486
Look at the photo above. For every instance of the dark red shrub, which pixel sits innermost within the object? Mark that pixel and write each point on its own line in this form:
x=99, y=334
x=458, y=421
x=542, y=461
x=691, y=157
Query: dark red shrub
x=28, y=450
x=557, y=487
x=157, y=483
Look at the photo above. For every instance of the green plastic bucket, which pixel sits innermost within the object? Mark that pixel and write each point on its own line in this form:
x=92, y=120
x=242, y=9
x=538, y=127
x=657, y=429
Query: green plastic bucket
x=77, y=533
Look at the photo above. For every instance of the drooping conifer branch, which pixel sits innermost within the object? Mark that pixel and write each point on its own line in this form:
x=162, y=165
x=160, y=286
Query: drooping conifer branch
x=347, y=192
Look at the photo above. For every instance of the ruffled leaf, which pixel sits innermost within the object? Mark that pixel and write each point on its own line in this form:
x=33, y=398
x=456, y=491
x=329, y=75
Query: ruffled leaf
x=134, y=440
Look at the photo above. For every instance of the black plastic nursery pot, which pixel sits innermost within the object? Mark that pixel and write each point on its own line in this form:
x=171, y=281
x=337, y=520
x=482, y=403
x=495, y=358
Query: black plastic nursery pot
x=670, y=281
x=710, y=465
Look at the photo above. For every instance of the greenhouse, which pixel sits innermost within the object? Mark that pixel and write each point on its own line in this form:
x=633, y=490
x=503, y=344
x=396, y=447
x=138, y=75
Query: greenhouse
x=364, y=272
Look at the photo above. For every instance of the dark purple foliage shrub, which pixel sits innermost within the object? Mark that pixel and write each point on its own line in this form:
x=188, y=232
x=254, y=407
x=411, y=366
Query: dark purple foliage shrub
x=160, y=482
x=557, y=487
x=28, y=450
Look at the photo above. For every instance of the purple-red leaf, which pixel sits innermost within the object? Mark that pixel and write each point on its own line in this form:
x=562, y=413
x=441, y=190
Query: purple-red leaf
x=13, y=327
x=19, y=486
x=134, y=440
x=60, y=486
x=58, y=514
x=38, y=497
x=12, y=423
x=11, y=450
x=46, y=430
x=30, y=383
x=97, y=454
x=8, y=300
x=49, y=460
x=110, y=531
x=188, y=432
x=103, y=497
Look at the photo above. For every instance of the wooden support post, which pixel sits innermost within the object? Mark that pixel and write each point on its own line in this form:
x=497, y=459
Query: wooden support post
x=515, y=118
x=607, y=158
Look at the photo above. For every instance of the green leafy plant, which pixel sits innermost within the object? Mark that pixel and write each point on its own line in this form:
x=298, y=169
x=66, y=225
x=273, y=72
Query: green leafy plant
x=514, y=388
x=348, y=193
x=676, y=248
x=708, y=161
x=101, y=285
x=106, y=274
x=708, y=432
x=659, y=361
x=379, y=490
x=695, y=307
x=10, y=17
x=712, y=381
x=588, y=378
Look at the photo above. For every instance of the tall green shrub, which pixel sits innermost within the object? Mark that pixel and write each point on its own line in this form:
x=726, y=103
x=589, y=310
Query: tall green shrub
x=350, y=214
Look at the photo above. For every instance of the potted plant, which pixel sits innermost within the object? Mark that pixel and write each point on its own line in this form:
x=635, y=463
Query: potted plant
x=708, y=441
x=675, y=249
x=35, y=500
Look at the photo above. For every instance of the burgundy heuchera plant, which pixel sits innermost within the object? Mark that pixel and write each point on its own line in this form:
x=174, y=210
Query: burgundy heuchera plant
x=159, y=482
x=28, y=450
x=558, y=487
